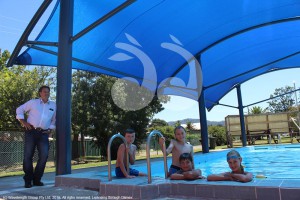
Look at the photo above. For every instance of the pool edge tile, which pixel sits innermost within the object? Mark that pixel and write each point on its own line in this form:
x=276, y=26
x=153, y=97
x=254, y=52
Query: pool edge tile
x=263, y=193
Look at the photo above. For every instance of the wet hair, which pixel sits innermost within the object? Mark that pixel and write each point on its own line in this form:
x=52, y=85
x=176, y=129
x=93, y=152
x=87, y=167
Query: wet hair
x=235, y=155
x=42, y=87
x=179, y=127
x=129, y=130
x=185, y=156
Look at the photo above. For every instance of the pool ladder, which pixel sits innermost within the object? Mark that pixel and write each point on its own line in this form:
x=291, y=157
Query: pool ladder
x=155, y=132
x=152, y=133
x=109, y=154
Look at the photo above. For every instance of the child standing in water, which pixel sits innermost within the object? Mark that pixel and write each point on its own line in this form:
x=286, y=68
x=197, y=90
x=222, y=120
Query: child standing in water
x=237, y=173
x=187, y=172
x=177, y=147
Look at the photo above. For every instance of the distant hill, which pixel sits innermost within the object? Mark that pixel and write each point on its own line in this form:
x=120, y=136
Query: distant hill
x=209, y=123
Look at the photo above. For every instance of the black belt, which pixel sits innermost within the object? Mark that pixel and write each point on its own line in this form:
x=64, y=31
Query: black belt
x=41, y=130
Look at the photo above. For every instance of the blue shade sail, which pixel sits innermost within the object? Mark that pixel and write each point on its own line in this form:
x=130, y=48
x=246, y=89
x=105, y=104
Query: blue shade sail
x=179, y=47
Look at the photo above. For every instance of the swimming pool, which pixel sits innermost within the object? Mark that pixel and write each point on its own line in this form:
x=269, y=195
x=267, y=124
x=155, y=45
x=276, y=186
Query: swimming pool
x=273, y=161
x=279, y=163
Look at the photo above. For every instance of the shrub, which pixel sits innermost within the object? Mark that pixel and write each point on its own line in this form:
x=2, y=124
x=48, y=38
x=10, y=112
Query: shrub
x=193, y=138
x=219, y=133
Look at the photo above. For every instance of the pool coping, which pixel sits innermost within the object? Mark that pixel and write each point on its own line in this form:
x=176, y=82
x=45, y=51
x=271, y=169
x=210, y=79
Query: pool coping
x=138, y=188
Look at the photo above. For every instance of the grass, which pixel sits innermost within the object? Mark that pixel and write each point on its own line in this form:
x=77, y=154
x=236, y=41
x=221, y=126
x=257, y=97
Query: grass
x=92, y=162
x=284, y=140
x=141, y=155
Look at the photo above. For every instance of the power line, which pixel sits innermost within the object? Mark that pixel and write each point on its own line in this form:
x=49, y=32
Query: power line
x=19, y=34
x=14, y=19
x=7, y=27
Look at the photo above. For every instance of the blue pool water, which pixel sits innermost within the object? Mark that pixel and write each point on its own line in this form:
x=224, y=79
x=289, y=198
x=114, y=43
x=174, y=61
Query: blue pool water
x=273, y=161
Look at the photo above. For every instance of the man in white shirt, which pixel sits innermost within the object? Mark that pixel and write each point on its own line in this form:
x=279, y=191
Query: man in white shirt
x=40, y=122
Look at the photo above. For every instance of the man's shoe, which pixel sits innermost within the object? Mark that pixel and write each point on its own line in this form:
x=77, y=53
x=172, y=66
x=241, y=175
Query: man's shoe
x=38, y=183
x=27, y=185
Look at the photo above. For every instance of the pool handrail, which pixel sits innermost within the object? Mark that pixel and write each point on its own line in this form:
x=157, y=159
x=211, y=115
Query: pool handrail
x=152, y=133
x=109, y=153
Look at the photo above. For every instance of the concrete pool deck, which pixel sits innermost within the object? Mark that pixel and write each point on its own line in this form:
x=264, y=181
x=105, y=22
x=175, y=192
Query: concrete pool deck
x=92, y=184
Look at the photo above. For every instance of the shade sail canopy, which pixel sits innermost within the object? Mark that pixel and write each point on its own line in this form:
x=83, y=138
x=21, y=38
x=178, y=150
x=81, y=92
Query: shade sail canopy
x=177, y=47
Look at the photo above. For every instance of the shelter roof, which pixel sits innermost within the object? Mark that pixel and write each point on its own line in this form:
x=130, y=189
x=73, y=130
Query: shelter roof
x=159, y=42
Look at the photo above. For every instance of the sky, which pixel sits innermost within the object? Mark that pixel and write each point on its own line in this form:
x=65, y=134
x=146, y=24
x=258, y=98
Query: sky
x=16, y=14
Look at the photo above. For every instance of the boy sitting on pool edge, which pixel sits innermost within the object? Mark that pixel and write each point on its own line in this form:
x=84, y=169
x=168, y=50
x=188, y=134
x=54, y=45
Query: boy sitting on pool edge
x=186, y=172
x=123, y=152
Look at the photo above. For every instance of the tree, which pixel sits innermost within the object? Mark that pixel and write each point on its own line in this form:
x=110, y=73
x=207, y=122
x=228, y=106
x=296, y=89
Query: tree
x=257, y=110
x=81, y=114
x=284, y=100
x=4, y=58
x=190, y=126
x=219, y=133
x=18, y=85
x=96, y=108
x=158, y=122
x=177, y=123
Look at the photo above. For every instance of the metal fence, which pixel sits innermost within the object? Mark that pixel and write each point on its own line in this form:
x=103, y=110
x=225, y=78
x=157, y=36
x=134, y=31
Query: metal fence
x=12, y=148
x=90, y=148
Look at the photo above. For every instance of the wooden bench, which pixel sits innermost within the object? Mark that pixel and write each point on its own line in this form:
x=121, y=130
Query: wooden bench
x=252, y=136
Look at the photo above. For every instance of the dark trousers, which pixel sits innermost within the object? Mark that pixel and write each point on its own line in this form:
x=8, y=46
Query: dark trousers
x=34, y=138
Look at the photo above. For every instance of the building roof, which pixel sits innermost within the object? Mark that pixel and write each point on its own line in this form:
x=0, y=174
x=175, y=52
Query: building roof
x=197, y=126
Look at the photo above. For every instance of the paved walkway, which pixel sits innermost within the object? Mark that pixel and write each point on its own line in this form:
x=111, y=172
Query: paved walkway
x=13, y=188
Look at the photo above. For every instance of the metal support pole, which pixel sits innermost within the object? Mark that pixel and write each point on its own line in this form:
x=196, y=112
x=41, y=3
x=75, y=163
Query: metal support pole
x=27, y=32
x=241, y=111
x=64, y=81
x=203, y=122
x=298, y=113
x=202, y=108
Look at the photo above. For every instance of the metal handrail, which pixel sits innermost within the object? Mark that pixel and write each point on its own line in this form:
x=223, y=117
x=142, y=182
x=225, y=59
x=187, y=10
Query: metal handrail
x=154, y=132
x=109, y=154
x=294, y=120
